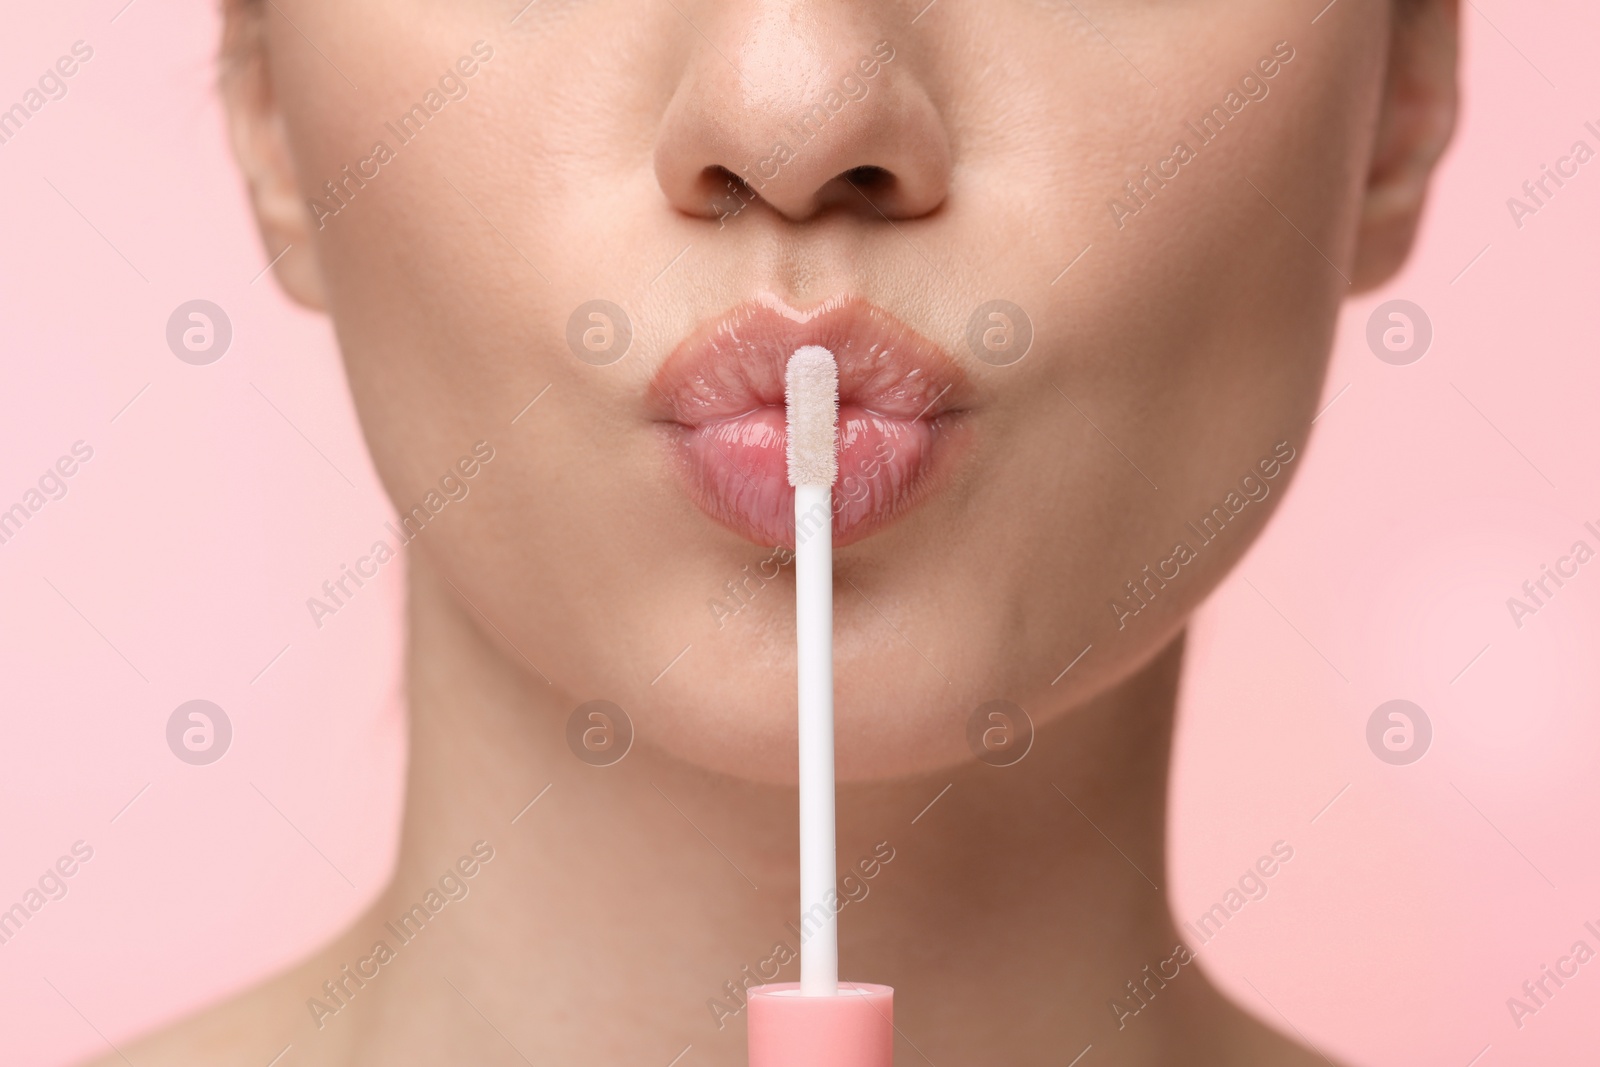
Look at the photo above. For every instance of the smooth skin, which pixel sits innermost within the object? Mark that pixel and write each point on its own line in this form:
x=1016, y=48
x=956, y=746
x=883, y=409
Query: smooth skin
x=592, y=148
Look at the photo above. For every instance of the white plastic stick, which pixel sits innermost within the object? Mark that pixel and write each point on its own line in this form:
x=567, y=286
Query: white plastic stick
x=812, y=396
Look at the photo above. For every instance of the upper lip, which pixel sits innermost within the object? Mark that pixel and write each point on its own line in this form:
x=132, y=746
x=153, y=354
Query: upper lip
x=735, y=363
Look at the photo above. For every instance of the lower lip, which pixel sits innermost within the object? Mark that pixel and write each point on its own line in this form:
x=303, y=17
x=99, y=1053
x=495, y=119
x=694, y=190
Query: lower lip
x=737, y=470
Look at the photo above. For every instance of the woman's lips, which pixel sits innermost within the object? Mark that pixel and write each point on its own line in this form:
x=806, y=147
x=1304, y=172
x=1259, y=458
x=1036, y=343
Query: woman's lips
x=720, y=398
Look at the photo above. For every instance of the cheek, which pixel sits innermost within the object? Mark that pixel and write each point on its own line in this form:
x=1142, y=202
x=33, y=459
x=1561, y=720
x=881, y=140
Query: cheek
x=1188, y=342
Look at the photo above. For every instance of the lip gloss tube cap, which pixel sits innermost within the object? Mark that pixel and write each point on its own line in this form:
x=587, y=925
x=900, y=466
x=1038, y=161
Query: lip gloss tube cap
x=853, y=1029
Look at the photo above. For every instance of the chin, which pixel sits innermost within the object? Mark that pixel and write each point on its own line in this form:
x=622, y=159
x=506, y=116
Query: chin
x=752, y=737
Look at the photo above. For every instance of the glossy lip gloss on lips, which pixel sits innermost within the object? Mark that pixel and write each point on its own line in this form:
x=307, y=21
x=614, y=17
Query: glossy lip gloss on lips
x=720, y=397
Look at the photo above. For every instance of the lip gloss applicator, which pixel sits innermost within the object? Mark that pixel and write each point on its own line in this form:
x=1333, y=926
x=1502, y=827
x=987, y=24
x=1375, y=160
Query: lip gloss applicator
x=817, y=1021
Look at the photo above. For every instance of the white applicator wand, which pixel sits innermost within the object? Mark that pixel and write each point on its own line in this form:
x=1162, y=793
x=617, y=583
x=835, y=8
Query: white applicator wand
x=817, y=1022
x=811, y=391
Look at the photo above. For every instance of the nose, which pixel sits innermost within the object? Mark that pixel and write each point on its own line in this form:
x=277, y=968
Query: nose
x=807, y=107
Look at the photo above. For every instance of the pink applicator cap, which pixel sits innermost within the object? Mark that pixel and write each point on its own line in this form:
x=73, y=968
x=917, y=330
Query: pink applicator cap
x=854, y=1028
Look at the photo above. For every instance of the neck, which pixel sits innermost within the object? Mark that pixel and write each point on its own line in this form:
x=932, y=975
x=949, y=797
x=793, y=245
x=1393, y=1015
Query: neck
x=1008, y=915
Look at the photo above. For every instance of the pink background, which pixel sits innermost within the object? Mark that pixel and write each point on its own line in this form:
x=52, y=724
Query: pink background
x=178, y=565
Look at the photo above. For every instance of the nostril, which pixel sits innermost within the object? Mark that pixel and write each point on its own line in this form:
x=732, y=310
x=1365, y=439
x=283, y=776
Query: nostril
x=721, y=177
x=869, y=178
x=718, y=191
x=719, y=183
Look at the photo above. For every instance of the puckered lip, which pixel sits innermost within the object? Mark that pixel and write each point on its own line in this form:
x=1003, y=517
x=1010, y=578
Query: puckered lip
x=719, y=398
x=735, y=363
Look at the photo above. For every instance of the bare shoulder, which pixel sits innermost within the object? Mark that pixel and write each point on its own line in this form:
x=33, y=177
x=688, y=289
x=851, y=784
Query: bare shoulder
x=1268, y=1047
x=1216, y=1029
x=264, y=1024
